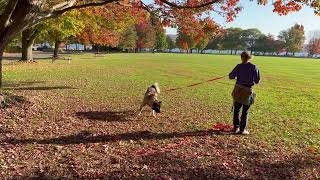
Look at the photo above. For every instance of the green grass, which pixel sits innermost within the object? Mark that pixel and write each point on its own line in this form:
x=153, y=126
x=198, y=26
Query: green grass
x=286, y=112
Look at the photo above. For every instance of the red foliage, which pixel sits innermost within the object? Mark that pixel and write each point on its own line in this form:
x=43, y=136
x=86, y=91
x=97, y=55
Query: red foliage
x=314, y=46
x=183, y=44
x=283, y=8
x=146, y=35
x=222, y=127
x=108, y=19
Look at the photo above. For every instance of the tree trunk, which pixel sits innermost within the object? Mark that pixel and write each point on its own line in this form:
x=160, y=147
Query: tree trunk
x=287, y=53
x=231, y=51
x=28, y=37
x=1, y=56
x=27, y=52
x=56, y=49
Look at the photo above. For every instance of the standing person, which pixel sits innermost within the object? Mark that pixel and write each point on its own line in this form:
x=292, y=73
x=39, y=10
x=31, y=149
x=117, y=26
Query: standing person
x=247, y=74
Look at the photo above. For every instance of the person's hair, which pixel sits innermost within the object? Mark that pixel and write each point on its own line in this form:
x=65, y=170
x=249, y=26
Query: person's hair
x=245, y=55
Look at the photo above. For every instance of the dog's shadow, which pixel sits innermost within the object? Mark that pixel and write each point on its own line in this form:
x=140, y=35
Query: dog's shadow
x=108, y=116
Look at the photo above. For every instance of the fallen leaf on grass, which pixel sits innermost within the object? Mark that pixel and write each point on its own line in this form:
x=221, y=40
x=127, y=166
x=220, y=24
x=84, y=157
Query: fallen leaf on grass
x=226, y=165
x=312, y=150
x=222, y=127
x=145, y=167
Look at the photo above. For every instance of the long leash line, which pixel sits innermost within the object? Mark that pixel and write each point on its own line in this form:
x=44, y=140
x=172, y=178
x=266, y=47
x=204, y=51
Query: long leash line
x=195, y=84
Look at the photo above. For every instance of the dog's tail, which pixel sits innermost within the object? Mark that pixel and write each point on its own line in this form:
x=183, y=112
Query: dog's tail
x=156, y=85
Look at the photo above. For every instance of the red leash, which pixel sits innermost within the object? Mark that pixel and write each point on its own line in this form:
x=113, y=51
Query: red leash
x=195, y=84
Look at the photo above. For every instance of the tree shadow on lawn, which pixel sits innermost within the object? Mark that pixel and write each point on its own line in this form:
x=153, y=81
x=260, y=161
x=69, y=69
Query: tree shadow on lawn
x=164, y=165
x=85, y=137
x=288, y=167
x=39, y=88
x=30, y=85
x=11, y=84
x=15, y=100
x=109, y=116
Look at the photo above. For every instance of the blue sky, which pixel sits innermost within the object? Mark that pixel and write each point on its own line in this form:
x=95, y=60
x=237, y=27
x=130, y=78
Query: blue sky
x=262, y=17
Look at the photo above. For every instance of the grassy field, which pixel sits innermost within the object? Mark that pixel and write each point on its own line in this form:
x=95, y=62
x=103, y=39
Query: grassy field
x=78, y=119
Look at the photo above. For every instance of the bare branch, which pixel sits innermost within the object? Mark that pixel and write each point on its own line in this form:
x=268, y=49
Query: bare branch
x=59, y=12
x=123, y=4
x=174, y=5
x=145, y=7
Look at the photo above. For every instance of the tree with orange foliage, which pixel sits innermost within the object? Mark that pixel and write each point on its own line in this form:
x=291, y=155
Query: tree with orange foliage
x=146, y=35
x=106, y=25
x=313, y=46
x=195, y=33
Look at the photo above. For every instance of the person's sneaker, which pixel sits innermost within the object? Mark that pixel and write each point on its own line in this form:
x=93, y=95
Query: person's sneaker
x=245, y=132
x=236, y=130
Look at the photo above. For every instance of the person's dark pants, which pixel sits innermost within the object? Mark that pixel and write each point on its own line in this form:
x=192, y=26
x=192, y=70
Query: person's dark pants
x=244, y=116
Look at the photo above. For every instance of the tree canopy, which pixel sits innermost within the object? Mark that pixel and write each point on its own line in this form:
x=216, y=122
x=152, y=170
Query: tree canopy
x=293, y=38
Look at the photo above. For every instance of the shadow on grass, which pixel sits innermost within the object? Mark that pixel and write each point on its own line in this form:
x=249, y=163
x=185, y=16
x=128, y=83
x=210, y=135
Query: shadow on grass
x=162, y=165
x=18, y=59
x=31, y=85
x=40, y=88
x=85, y=137
x=14, y=100
x=287, y=168
x=109, y=116
x=11, y=84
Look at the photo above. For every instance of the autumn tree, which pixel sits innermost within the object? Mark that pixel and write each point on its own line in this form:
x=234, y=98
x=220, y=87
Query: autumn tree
x=59, y=29
x=250, y=36
x=216, y=43
x=278, y=46
x=161, y=39
x=171, y=43
x=195, y=33
x=185, y=41
x=209, y=31
x=146, y=35
x=233, y=40
x=202, y=44
x=268, y=44
x=313, y=46
x=129, y=39
x=293, y=38
x=106, y=26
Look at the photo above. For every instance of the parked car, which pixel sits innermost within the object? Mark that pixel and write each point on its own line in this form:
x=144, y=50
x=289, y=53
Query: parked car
x=44, y=48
